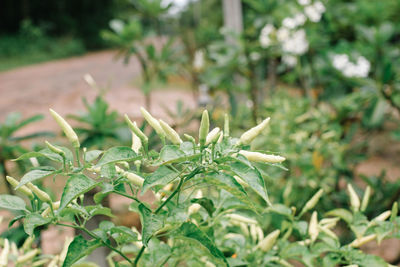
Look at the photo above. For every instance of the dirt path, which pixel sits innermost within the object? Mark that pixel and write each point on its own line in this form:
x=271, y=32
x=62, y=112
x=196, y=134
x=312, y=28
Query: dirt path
x=59, y=84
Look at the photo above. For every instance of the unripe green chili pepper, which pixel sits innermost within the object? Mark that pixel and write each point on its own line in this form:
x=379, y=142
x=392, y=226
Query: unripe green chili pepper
x=204, y=128
x=312, y=202
x=354, y=200
x=249, y=135
x=55, y=149
x=268, y=242
x=67, y=129
x=135, y=129
x=395, y=210
x=23, y=189
x=260, y=157
x=170, y=133
x=190, y=138
x=28, y=242
x=153, y=123
x=212, y=136
x=43, y=196
x=365, y=200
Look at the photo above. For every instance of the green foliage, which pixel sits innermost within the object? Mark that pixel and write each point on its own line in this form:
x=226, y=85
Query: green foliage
x=211, y=207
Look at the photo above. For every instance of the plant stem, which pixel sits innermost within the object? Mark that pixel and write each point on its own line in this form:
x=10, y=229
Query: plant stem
x=138, y=256
x=97, y=238
x=128, y=196
x=170, y=196
x=77, y=157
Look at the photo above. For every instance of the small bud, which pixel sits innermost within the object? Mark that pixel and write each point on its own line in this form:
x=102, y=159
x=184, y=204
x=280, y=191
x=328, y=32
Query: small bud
x=251, y=134
x=189, y=138
x=67, y=129
x=313, y=227
x=361, y=241
x=313, y=201
x=354, y=200
x=170, y=133
x=43, y=196
x=204, y=128
x=22, y=189
x=365, y=200
x=383, y=216
x=226, y=125
x=4, y=254
x=134, y=128
x=212, y=136
x=260, y=157
x=153, y=122
x=240, y=218
x=136, y=143
x=28, y=256
x=55, y=149
x=268, y=242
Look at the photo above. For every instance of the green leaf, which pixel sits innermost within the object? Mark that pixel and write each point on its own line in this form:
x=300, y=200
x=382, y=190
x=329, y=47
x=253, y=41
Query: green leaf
x=116, y=154
x=151, y=223
x=34, y=220
x=76, y=185
x=162, y=176
x=190, y=231
x=206, y=203
x=51, y=156
x=341, y=213
x=92, y=155
x=11, y=202
x=99, y=210
x=252, y=177
x=229, y=184
x=34, y=175
x=79, y=248
x=172, y=154
x=107, y=189
x=123, y=234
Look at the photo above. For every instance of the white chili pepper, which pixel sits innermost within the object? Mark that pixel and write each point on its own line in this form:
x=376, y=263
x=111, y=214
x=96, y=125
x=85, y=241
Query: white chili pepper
x=170, y=133
x=361, y=241
x=383, y=216
x=23, y=189
x=4, y=254
x=354, y=200
x=312, y=202
x=313, y=227
x=43, y=196
x=240, y=218
x=134, y=128
x=260, y=157
x=251, y=134
x=153, y=122
x=212, y=136
x=268, y=242
x=67, y=129
x=365, y=200
x=204, y=128
x=226, y=125
x=28, y=256
x=136, y=143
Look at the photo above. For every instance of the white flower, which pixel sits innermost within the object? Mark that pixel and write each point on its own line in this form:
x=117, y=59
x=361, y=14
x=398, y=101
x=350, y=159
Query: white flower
x=319, y=7
x=198, y=61
x=289, y=23
x=289, y=60
x=312, y=13
x=265, y=33
x=340, y=61
x=296, y=44
x=304, y=2
x=359, y=69
x=300, y=19
x=282, y=34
